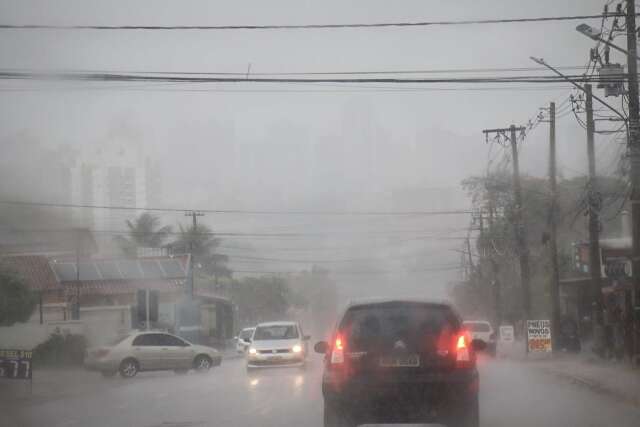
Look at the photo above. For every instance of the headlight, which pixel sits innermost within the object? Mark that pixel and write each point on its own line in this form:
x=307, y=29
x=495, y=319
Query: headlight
x=253, y=351
x=297, y=349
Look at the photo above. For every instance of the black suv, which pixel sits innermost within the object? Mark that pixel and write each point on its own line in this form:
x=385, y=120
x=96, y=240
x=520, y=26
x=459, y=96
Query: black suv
x=399, y=361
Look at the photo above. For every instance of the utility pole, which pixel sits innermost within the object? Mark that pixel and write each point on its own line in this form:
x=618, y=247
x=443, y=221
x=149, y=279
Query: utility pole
x=554, y=289
x=75, y=314
x=193, y=215
x=634, y=155
x=520, y=232
x=594, y=222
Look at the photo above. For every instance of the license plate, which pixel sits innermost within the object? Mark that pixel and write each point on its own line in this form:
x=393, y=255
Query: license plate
x=409, y=361
x=275, y=358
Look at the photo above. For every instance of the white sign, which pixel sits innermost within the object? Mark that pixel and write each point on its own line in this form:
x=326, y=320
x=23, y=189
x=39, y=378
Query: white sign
x=507, y=333
x=539, y=336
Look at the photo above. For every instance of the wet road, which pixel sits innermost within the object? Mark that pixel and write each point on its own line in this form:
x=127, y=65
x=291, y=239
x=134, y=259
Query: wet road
x=512, y=394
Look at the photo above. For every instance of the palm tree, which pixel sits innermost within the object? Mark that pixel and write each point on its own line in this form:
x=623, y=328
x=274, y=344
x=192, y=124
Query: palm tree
x=143, y=233
x=201, y=242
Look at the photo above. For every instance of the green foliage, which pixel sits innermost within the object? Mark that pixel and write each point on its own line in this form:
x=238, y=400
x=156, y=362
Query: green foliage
x=17, y=301
x=261, y=299
x=144, y=232
x=494, y=194
x=202, y=243
x=61, y=350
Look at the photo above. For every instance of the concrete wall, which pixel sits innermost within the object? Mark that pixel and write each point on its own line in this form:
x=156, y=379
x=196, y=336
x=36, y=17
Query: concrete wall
x=98, y=324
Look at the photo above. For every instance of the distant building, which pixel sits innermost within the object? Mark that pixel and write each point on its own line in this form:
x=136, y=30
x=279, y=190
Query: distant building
x=113, y=175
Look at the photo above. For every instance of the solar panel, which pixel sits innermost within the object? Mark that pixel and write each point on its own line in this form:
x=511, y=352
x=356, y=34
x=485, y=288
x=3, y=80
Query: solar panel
x=89, y=271
x=65, y=271
x=108, y=270
x=130, y=269
x=151, y=269
x=172, y=268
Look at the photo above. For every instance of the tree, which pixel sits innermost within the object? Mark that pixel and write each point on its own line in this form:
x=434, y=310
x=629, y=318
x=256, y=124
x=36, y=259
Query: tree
x=260, y=299
x=17, y=301
x=201, y=242
x=144, y=232
x=493, y=193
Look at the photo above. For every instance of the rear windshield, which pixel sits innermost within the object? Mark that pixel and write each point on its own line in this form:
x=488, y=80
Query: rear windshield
x=387, y=324
x=246, y=334
x=276, y=332
x=478, y=326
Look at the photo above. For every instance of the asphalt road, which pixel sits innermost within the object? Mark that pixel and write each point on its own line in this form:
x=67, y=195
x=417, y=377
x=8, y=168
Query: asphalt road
x=512, y=394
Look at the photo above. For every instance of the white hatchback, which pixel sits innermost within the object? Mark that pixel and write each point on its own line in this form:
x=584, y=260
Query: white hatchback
x=481, y=330
x=277, y=344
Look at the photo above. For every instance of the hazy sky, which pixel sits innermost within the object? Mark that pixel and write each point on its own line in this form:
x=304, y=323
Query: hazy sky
x=241, y=144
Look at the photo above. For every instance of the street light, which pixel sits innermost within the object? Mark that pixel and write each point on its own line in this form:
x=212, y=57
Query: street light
x=595, y=34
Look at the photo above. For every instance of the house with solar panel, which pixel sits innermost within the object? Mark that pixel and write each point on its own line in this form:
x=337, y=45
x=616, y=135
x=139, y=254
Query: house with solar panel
x=105, y=297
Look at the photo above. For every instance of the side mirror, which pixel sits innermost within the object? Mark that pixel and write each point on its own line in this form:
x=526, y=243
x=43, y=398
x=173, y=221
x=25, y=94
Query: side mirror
x=321, y=347
x=478, y=345
x=306, y=337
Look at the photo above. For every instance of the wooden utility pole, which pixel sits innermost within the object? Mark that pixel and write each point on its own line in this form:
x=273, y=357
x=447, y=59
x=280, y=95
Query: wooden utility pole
x=554, y=288
x=634, y=155
x=518, y=224
x=594, y=221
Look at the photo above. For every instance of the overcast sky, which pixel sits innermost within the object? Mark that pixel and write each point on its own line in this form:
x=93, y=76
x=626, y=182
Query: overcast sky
x=293, y=145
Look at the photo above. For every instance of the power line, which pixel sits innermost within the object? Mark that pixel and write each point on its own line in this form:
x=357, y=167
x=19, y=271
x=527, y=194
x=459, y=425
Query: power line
x=238, y=211
x=117, y=77
x=300, y=26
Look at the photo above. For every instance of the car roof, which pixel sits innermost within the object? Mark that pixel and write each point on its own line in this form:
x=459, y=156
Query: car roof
x=280, y=323
x=477, y=321
x=380, y=300
x=249, y=329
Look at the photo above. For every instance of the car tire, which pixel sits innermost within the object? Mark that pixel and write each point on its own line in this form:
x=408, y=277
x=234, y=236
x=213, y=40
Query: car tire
x=335, y=416
x=129, y=368
x=466, y=415
x=108, y=374
x=202, y=363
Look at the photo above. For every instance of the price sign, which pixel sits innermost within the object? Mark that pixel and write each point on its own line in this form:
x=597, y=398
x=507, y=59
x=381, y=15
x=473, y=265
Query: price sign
x=15, y=364
x=539, y=336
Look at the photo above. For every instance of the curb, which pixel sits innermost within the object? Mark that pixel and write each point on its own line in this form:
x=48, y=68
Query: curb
x=594, y=386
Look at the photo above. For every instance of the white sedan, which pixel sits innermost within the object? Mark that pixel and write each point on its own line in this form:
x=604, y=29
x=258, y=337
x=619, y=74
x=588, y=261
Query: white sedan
x=277, y=344
x=150, y=351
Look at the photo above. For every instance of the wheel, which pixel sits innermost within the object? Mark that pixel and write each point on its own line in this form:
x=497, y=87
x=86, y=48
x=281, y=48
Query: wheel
x=466, y=415
x=202, y=363
x=181, y=371
x=129, y=368
x=334, y=416
x=108, y=374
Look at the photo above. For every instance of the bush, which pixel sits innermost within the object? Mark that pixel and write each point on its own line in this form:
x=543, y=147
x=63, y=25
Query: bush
x=61, y=350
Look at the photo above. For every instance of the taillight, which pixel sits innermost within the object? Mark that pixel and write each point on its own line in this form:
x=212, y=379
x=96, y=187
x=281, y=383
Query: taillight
x=102, y=352
x=463, y=353
x=337, y=352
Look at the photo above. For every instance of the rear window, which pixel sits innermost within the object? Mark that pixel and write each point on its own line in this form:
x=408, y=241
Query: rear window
x=478, y=326
x=363, y=326
x=276, y=332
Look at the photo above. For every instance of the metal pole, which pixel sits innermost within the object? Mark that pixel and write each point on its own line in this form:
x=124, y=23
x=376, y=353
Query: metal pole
x=554, y=289
x=634, y=155
x=594, y=225
x=146, y=297
x=76, y=311
x=520, y=232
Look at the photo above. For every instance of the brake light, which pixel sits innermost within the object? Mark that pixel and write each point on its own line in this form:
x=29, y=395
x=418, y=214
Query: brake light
x=463, y=355
x=337, y=352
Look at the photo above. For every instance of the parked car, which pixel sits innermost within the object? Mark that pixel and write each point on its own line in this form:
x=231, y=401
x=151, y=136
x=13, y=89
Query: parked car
x=243, y=340
x=277, y=344
x=481, y=330
x=399, y=361
x=150, y=351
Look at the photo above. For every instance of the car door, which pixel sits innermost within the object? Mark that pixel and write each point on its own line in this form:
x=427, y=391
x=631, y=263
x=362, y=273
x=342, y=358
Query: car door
x=147, y=350
x=176, y=353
